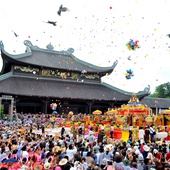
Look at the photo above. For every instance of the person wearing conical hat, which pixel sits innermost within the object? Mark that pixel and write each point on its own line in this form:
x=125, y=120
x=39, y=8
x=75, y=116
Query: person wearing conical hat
x=64, y=164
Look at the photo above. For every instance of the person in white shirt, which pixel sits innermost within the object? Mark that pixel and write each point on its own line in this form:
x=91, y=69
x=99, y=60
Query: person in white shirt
x=91, y=138
x=71, y=150
x=150, y=155
x=3, y=154
x=139, y=154
x=97, y=156
x=141, y=134
x=24, y=153
x=152, y=131
x=102, y=127
x=84, y=163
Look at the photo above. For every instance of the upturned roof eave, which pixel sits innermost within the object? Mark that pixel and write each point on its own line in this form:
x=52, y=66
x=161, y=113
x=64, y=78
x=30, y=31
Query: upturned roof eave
x=16, y=56
x=140, y=94
x=98, y=68
x=19, y=62
x=69, y=52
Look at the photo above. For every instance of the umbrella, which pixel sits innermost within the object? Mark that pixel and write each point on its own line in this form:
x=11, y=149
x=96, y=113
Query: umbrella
x=97, y=112
x=166, y=112
x=12, y=160
x=54, y=112
x=112, y=111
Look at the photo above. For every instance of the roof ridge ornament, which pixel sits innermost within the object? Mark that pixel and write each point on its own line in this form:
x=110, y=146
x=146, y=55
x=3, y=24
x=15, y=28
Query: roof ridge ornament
x=1, y=45
x=147, y=89
x=70, y=51
x=28, y=43
x=50, y=46
x=115, y=63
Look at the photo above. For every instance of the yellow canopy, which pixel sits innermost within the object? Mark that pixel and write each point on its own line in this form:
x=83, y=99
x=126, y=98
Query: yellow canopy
x=97, y=112
x=112, y=111
x=166, y=112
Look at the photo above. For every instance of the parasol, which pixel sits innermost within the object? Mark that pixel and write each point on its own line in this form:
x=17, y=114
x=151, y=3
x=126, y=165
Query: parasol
x=70, y=112
x=97, y=112
x=166, y=112
x=112, y=111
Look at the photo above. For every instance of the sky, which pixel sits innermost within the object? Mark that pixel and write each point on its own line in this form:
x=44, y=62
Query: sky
x=98, y=30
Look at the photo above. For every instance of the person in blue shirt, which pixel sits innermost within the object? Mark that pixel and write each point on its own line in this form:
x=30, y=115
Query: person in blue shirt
x=96, y=146
x=108, y=154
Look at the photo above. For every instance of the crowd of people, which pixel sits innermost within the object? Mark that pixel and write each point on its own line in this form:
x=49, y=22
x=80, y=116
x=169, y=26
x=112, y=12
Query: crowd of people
x=22, y=148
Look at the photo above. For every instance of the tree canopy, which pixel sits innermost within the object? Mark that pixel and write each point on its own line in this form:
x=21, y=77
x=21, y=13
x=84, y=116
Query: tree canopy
x=162, y=91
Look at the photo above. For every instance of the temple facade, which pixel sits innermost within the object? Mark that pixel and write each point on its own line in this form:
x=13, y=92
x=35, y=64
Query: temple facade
x=33, y=80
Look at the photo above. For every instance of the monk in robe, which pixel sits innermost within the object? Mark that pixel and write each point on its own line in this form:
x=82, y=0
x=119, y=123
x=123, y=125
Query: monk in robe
x=88, y=119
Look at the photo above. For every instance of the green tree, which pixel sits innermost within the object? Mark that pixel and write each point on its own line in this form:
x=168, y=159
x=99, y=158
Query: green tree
x=2, y=112
x=162, y=91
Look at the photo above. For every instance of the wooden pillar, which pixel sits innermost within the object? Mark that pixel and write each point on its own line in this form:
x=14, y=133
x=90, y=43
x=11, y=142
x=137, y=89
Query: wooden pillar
x=90, y=105
x=46, y=105
x=111, y=104
x=12, y=105
x=35, y=111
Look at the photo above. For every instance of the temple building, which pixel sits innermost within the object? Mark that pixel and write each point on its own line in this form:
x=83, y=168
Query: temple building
x=33, y=80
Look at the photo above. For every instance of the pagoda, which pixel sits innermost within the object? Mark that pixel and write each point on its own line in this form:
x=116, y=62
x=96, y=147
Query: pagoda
x=134, y=107
x=39, y=77
x=135, y=111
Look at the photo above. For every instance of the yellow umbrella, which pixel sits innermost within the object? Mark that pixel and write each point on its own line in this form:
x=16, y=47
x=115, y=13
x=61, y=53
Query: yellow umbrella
x=70, y=113
x=112, y=111
x=166, y=112
x=97, y=112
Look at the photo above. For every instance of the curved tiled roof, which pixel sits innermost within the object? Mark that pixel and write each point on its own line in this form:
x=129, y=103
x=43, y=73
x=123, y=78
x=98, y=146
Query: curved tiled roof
x=48, y=58
x=48, y=87
x=17, y=85
x=163, y=103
